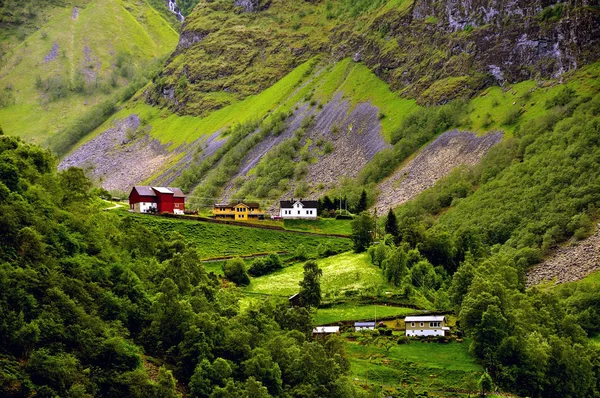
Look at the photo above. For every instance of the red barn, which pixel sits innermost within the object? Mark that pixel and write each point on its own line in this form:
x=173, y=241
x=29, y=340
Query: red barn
x=144, y=199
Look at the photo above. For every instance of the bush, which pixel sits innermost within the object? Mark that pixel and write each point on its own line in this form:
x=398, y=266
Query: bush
x=265, y=265
x=235, y=271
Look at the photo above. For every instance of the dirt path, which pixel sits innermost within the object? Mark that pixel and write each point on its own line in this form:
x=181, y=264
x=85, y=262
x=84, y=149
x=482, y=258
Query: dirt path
x=438, y=159
x=569, y=263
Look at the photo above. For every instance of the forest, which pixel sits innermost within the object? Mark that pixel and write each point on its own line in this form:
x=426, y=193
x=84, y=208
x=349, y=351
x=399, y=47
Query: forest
x=532, y=192
x=93, y=304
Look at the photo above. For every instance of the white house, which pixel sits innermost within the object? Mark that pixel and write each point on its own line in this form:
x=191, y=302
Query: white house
x=431, y=325
x=291, y=209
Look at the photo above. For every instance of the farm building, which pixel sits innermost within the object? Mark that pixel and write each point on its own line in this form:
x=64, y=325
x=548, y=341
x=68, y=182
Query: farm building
x=238, y=211
x=324, y=331
x=364, y=326
x=145, y=199
x=294, y=300
x=432, y=325
x=292, y=209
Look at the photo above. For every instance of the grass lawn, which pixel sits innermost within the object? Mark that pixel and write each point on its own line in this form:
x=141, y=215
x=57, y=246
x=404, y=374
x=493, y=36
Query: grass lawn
x=436, y=368
x=322, y=226
x=346, y=272
x=357, y=312
x=213, y=240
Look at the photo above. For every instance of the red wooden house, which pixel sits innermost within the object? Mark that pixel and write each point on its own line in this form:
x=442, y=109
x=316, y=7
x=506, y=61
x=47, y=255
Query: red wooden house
x=145, y=199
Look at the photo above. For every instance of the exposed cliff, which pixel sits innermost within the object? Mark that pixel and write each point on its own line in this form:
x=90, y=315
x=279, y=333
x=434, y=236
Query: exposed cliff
x=433, y=51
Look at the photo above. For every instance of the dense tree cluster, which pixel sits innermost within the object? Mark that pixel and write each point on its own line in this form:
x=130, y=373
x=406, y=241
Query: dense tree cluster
x=95, y=304
x=467, y=243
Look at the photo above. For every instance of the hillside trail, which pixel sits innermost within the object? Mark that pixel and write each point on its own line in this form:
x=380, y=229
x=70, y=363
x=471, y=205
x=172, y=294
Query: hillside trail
x=568, y=263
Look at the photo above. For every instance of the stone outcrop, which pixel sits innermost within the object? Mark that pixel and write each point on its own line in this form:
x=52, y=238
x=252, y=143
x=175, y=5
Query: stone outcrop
x=568, y=263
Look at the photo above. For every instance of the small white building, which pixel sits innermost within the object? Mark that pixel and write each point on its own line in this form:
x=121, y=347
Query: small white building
x=430, y=325
x=323, y=331
x=298, y=209
x=358, y=326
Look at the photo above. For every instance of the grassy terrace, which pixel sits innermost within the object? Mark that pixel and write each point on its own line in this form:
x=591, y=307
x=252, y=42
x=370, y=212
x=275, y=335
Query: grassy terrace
x=346, y=272
x=214, y=240
x=354, y=312
x=322, y=226
x=434, y=367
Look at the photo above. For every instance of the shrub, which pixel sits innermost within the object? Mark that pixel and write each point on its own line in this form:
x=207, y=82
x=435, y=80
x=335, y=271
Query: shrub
x=235, y=271
x=265, y=265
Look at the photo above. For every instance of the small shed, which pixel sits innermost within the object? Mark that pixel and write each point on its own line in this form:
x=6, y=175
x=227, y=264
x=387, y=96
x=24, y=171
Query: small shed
x=324, y=331
x=358, y=326
x=294, y=300
x=429, y=325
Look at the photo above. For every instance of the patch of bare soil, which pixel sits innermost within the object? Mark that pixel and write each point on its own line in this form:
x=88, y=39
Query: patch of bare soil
x=121, y=156
x=438, y=159
x=568, y=263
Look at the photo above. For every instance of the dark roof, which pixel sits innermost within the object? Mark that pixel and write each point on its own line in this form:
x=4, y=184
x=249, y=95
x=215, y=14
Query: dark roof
x=177, y=193
x=289, y=204
x=250, y=205
x=144, y=191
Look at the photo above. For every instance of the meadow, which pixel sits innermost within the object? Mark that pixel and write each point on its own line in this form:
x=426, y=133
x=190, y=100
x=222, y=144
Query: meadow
x=344, y=275
x=353, y=311
x=215, y=240
x=436, y=368
x=321, y=226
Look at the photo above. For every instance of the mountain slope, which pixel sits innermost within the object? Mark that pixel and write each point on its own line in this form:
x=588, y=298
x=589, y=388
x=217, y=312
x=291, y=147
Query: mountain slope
x=76, y=60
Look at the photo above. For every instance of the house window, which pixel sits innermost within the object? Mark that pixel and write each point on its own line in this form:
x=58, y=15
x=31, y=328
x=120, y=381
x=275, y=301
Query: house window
x=298, y=211
x=412, y=324
x=422, y=324
x=434, y=324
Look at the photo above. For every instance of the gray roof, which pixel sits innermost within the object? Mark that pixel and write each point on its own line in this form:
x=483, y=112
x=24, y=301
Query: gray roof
x=289, y=204
x=162, y=189
x=428, y=318
x=364, y=324
x=144, y=191
x=177, y=193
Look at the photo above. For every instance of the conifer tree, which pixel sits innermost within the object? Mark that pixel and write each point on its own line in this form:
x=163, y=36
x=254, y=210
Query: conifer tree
x=391, y=224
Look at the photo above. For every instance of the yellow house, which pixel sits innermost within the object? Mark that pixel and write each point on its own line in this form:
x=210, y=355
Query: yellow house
x=238, y=211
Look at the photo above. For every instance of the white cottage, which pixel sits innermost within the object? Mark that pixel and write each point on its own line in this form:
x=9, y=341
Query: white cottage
x=294, y=209
x=433, y=325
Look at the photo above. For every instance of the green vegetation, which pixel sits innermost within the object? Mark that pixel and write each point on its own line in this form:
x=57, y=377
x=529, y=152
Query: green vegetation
x=97, y=304
x=214, y=240
x=78, y=60
x=344, y=275
x=356, y=311
x=321, y=226
x=424, y=366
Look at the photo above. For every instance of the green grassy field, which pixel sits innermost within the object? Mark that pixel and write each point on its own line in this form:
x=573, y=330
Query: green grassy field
x=214, y=240
x=321, y=226
x=346, y=274
x=437, y=368
x=356, y=312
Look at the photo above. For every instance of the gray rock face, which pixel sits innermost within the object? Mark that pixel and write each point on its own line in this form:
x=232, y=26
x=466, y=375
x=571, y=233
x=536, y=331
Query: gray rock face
x=438, y=159
x=252, y=5
x=119, y=157
x=189, y=38
x=569, y=263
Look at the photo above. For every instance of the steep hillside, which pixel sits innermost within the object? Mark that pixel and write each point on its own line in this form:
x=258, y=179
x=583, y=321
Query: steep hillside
x=83, y=59
x=429, y=50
